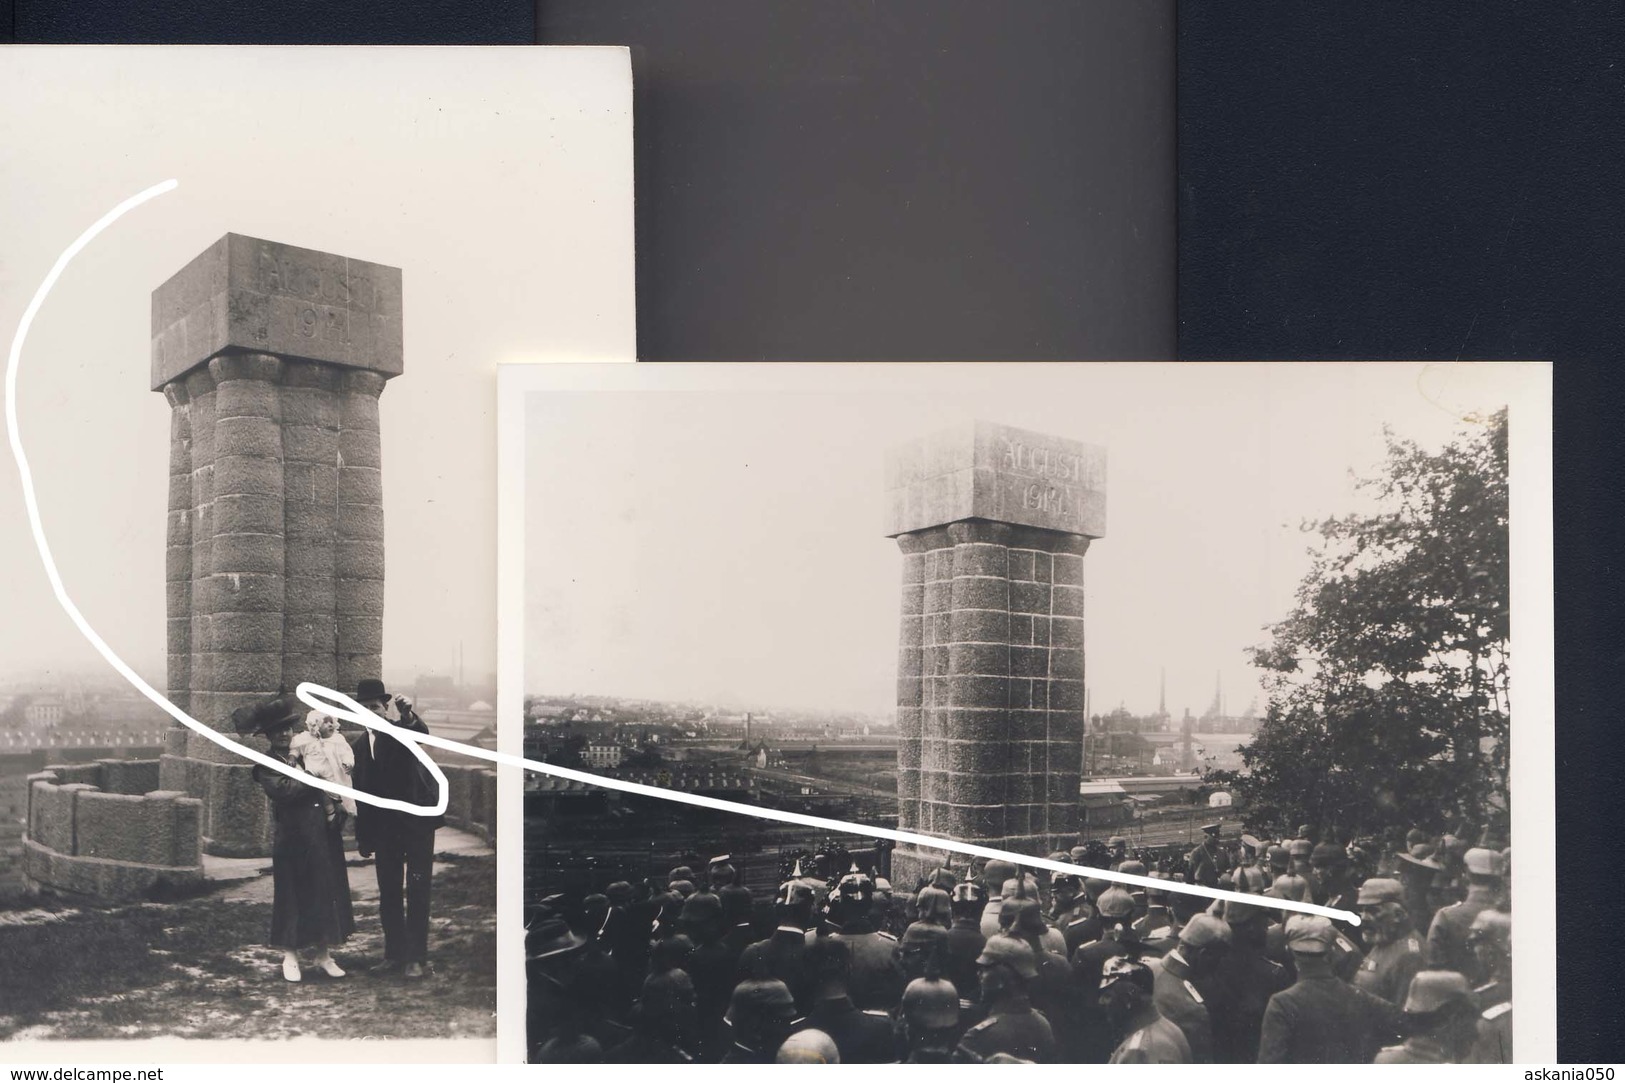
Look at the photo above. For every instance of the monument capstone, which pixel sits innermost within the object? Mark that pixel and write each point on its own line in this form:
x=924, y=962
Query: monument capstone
x=993, y=523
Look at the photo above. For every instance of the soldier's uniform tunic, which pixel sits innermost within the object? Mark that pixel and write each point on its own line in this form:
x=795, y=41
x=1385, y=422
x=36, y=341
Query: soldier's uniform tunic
x=1324, y=1020
x=1203, y=869
x=1158, y=1042
x=786, y=953
x=1078, y=927
x=877, y=977
x=1447, y=938
x=1156, y=917
x=1179, y=1002
x=1245, y=981
x=1087, y=1039
x=1388, y=969
x=1025, y=1034
x=965, y=943
x=1494, y=1042
x=862, y=1037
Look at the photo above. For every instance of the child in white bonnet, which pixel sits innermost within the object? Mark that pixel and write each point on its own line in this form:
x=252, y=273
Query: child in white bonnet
x=325, y=753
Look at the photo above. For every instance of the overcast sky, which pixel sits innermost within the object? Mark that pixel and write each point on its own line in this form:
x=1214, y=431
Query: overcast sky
x=498, y=180
x=726, y=545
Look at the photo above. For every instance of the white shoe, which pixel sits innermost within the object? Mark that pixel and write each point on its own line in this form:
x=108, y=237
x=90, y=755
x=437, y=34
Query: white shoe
x=290, y=969
x=330, y=967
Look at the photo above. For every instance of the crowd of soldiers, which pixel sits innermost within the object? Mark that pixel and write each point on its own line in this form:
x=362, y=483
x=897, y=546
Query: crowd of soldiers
x=993, y=963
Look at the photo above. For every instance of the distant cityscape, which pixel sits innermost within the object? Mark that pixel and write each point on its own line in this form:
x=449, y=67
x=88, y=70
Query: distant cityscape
x=600, y=731
x=50, y=719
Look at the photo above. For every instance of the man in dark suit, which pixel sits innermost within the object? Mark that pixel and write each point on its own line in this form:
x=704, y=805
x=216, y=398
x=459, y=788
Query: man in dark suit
x=402, y=842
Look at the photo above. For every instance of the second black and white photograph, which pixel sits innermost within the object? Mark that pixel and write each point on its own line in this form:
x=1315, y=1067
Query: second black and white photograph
x=1242, y=627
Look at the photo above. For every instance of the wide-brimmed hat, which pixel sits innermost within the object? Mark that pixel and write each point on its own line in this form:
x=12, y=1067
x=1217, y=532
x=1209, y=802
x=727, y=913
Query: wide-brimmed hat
x=370, y=688
x=1422, y=861
x=551, y=937
x=269, y=716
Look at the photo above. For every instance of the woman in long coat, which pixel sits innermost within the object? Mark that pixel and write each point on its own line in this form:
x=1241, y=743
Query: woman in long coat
x=310, y=906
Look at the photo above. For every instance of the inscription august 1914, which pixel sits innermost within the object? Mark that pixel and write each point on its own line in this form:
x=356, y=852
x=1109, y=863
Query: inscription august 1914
x=247, y=293
x=989, y=471
x=1060, y=492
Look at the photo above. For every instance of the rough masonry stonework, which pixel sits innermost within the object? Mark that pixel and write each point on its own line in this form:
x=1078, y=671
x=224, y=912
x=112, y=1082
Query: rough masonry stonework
x=272, y=359
x=993, y=523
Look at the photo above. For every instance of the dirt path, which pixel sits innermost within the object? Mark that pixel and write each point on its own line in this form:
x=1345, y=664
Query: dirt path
x=197, y=969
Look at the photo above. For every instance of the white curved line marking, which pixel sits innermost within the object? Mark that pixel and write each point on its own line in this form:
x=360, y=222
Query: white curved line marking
x=337, y=703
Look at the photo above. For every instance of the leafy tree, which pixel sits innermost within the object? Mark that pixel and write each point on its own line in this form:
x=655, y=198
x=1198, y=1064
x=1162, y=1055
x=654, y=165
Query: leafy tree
x=1387, y=681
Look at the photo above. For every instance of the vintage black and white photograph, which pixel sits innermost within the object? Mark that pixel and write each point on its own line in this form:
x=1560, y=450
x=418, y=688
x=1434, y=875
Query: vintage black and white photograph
x=1276, y=630
x=241, y=403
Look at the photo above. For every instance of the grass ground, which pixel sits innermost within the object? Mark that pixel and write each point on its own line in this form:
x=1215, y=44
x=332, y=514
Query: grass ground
x=197, y=968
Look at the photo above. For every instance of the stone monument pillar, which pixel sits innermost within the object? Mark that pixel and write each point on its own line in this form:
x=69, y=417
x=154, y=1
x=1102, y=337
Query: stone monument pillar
x=993, y=523
x=272, y=359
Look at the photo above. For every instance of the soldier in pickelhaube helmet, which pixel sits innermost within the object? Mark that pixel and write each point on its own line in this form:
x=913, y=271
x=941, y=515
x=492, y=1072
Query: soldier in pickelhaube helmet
x=928, y=1020
x=1013, y=1027
x=1024, y=890
x=876, y=980
x=723, y=878
x=934, y=906
x=663, y=1022
x=760, y=1013
x=965, y=938
x=1085, y=924
x=923, y=946
x=783, y=954
x=1125, y=1003
x=862, y=1037
x=1050, y=991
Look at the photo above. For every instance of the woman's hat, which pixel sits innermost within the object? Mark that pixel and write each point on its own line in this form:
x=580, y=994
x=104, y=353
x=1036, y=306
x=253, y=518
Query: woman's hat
x=267, y=717
x=1424, y=860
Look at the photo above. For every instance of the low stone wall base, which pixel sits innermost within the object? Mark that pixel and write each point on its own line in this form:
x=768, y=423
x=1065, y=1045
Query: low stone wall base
x=236, y=819
x=102, y=880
